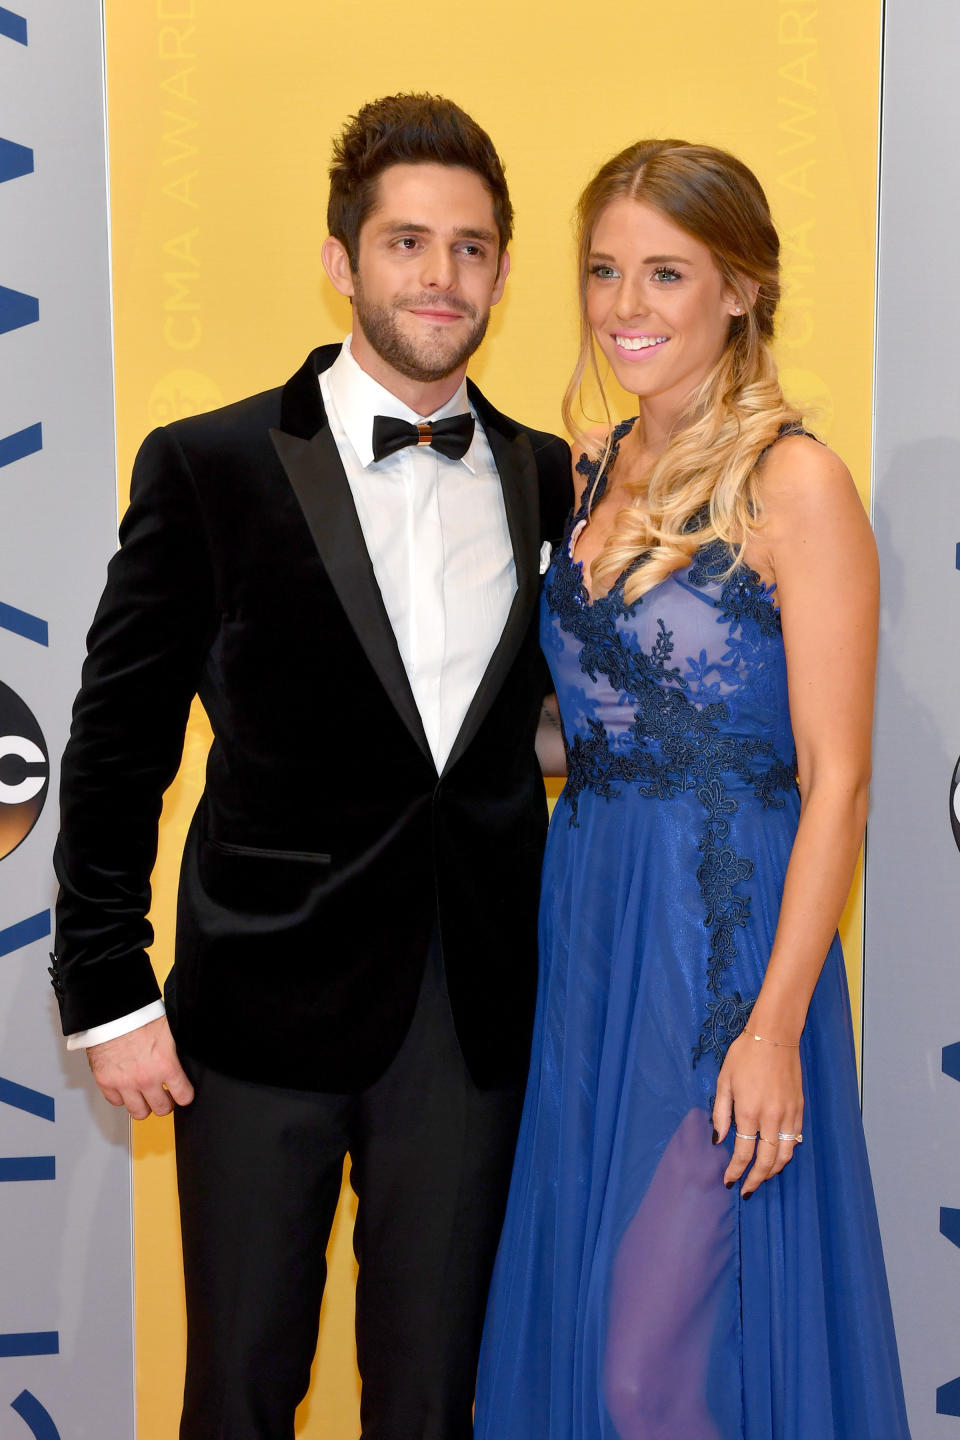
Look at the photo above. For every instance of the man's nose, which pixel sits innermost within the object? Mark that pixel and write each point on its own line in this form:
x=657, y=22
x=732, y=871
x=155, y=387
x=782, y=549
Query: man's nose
x=438, y=271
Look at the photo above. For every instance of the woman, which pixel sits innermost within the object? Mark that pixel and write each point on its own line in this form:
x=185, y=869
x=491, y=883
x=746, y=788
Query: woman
x=691, y=1248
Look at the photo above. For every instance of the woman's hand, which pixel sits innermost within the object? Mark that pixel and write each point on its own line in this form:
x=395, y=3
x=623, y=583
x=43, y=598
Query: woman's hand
x=760, y=1092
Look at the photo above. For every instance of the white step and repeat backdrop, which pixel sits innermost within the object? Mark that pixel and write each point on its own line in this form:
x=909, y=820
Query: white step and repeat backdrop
x=911, y=1029
x=66, y=1317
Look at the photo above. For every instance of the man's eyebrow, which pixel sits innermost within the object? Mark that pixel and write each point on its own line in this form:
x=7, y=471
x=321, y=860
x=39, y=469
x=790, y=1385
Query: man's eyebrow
x=404, y=227
x=471, y=232
x=462, y=232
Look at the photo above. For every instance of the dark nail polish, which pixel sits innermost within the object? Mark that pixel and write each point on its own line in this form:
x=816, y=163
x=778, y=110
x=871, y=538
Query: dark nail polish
x=749, y=1193
x=729, y=1184
x=716, y=1138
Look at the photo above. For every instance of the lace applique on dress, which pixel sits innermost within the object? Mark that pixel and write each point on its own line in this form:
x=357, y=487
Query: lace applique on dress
x=678, y=721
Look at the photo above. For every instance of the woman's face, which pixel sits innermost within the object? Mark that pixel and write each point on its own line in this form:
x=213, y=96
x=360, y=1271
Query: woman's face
x=656, y=302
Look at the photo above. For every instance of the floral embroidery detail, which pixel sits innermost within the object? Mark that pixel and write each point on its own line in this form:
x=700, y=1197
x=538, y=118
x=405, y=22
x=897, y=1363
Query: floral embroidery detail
x=597, y=479
x=743, y=599
x=593, y=765
x=683, y=734
x=725, y=1020
x=719, y=874
x=780, y=779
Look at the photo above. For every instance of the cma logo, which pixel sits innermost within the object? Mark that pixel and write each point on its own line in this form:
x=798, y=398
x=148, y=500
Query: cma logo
x=24, y=771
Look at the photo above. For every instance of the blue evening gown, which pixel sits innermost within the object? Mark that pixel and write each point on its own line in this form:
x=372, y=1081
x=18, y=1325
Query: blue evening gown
x=634, y=1297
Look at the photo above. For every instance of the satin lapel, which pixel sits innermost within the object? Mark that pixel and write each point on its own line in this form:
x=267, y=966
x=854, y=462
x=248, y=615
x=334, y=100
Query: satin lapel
x=521, y=497
x=316, y=473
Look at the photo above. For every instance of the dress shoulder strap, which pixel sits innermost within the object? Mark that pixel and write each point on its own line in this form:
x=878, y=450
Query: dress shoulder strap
x=596, y=477
x=789, y=427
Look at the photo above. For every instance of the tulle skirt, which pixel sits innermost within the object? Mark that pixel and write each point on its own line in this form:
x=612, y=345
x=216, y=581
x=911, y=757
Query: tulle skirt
x=634, y=1297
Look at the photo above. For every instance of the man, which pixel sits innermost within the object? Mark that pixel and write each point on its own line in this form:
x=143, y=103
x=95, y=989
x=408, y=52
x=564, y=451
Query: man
x=346, y=571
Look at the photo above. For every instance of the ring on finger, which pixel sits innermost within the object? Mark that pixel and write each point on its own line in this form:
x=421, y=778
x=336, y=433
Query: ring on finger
x=788, y=1135
x=768, y=1142
x=740, y=1135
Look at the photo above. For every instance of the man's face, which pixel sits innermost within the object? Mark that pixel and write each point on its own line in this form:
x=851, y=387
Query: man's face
x=427, y=271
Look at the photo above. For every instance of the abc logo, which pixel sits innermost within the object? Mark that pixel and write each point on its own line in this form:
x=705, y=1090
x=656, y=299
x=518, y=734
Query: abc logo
x=955, y=804
x=24, y=771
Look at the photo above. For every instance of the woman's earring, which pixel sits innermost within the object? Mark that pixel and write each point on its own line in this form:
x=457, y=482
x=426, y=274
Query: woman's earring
x=738, y=309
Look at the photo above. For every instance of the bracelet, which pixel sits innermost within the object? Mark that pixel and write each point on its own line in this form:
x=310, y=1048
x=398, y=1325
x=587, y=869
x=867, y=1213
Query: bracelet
x=784, y=1044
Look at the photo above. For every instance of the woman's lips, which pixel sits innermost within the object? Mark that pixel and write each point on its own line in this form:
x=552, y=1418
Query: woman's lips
x=638, y=348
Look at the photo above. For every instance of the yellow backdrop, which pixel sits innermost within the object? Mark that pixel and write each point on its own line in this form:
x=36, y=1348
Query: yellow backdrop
x=220, y=113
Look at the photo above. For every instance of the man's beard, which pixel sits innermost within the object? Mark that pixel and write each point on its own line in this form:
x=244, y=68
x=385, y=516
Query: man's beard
x=432, y=358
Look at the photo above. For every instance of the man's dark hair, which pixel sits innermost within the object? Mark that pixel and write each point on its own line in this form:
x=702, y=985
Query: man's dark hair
x=407, y=130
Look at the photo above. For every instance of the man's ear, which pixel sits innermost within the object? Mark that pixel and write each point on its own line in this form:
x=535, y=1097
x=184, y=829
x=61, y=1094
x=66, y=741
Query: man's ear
x=336, y=262
x=503, y=271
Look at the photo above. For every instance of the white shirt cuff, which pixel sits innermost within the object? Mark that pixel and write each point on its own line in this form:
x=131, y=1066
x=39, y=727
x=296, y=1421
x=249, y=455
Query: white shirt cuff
x=123, y=1024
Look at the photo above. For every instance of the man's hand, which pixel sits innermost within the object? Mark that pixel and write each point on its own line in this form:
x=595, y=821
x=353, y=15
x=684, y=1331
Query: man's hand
x=141, y=1070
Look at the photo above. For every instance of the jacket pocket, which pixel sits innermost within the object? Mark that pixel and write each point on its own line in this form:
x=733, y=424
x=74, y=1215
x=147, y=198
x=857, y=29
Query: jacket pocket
x=256, y=852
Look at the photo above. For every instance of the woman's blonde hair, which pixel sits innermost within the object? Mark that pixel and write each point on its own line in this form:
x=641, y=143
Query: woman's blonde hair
x=703, y=486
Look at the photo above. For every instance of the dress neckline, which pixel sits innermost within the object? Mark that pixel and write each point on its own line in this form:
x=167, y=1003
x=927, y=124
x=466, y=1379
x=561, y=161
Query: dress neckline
x=704, y=561
x=596, y=477
x=593, y=492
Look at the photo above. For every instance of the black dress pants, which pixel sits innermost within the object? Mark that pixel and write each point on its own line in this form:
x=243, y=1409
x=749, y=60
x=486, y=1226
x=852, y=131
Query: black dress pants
x=259, y=1172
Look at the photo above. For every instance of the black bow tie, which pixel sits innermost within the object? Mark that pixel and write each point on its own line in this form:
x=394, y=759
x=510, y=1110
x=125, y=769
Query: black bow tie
x=451, y=437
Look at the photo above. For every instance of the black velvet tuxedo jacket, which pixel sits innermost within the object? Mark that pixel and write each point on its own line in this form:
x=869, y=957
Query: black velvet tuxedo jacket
x=325, y=848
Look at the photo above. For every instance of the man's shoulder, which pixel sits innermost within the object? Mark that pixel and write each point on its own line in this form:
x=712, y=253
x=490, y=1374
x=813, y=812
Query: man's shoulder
x=545, y=440
x=228, y=425
x=551, y=453
x=542, y=442
x=551, y=456
x=294, y=405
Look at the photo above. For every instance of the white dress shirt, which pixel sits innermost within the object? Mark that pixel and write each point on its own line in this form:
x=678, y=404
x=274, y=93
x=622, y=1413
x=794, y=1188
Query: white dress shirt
x=437, y=535
x=436, y=532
